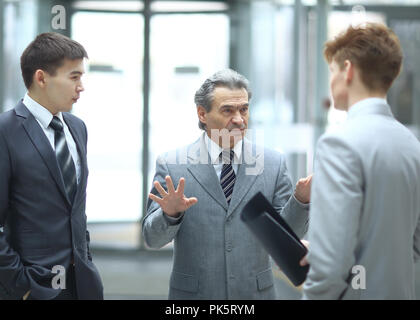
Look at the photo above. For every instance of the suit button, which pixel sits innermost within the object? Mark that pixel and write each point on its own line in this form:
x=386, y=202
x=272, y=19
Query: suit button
x=229, y=247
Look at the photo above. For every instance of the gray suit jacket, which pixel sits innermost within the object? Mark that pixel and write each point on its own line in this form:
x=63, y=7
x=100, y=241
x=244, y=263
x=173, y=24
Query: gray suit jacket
x=365, y=209
x=215, y=256
x=41, y=227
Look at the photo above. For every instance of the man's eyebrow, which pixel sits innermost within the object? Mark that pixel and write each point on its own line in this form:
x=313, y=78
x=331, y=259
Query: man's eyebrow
x=76, y=72
x=232, y=106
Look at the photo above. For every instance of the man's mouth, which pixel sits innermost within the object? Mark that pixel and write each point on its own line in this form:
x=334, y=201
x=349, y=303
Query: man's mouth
x=233, y=130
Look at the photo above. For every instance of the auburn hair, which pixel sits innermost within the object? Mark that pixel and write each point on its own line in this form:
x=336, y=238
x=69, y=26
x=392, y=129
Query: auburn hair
x=373, y=48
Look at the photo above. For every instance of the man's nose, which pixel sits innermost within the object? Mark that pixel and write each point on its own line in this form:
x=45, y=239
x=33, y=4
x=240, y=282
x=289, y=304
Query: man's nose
x=80, y=88
x=237, y=118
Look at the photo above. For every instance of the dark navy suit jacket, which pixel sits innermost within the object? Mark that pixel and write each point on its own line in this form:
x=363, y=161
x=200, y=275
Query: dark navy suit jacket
x=41, y=228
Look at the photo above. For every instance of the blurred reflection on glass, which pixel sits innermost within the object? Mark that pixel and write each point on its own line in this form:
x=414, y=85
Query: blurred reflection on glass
x=111, y=106
x=185, y=50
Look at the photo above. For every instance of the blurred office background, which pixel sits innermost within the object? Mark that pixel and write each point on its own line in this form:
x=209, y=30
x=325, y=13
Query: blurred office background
x=147, y=59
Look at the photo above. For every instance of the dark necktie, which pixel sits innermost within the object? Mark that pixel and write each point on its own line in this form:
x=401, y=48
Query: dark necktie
x=227, y=177
x=64, y=158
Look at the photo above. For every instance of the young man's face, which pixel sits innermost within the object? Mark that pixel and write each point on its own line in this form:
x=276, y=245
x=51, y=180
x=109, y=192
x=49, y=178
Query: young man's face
x=229, y=111
x=338, y=86
x=63, y=89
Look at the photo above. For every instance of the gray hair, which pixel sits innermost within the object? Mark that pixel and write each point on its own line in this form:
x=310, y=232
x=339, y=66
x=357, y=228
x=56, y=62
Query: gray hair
x=224, y=78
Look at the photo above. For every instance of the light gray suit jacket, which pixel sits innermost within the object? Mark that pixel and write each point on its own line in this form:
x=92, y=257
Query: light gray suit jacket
x=365, y=209
x=215, y=256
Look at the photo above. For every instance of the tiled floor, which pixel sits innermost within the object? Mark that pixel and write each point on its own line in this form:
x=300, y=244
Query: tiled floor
x=132, y=273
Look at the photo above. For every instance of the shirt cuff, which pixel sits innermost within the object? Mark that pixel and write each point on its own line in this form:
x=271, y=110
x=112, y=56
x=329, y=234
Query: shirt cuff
x=172, y=220
x=303, y=205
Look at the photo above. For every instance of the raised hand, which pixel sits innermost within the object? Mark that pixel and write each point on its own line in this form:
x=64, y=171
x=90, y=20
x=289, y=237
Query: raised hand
x=303, y=262
x=173, y=202
x=303, y=189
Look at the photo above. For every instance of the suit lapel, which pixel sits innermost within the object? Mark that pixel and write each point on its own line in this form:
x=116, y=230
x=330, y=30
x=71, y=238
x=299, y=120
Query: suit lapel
x=81, y=151
x=249, y=168
x=43, y=146
x=203, y=171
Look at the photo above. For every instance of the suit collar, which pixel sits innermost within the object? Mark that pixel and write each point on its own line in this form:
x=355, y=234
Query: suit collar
x=43, y=146
x=370, y=106
x=42, y=114
x=21, y=110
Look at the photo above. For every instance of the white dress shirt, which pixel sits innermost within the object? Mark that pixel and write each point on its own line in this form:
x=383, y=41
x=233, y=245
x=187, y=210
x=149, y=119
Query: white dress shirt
x=44, y=117
x=214, y=151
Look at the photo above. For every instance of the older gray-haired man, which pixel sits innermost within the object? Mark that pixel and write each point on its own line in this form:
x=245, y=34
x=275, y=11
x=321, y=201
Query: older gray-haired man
x=215, y=257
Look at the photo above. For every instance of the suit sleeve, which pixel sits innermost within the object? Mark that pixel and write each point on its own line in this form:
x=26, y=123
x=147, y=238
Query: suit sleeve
x=158, y=228
x=13, y=281
x=294, y=212
x=337, y=193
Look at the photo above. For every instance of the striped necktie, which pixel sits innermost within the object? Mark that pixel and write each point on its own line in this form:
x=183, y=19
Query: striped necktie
x=64, y=159
x=227, y=177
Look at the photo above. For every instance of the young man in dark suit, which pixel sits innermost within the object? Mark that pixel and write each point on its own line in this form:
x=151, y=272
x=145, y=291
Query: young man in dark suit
x=44, y=243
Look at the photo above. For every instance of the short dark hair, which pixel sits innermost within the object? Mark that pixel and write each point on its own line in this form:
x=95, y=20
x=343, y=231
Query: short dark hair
x=227, y=78
x=48, y=52
x=373, y=48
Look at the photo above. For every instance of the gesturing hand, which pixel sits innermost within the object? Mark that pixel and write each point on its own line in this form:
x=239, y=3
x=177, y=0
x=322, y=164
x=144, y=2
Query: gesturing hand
x=303, y=189
x=304, y=261
x=173, y=201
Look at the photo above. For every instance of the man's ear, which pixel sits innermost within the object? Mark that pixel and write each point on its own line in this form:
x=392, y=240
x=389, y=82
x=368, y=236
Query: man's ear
x=349, y=67
x=201, y=112
x=40, y=78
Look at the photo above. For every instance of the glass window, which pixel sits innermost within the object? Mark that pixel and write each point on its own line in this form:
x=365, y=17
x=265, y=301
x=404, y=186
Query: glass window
x=112, y=108
x=338, y=22
x=134, y=6
x=185, y=50
x=184, y=6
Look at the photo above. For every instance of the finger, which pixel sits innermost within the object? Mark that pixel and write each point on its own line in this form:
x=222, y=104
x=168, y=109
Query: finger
x=160, y=189
x=303, y=262
x=181, y=186
x=169, y=184
x=155, y=198
x=301, y=181
x=191, y=201
x=305, y=243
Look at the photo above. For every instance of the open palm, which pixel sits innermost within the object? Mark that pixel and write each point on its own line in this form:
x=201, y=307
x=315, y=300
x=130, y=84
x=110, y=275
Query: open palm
x=173, y=201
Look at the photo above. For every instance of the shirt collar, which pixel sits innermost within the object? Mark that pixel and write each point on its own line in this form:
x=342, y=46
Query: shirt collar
x=369, y=106
x=214, y=150
x=39, y=112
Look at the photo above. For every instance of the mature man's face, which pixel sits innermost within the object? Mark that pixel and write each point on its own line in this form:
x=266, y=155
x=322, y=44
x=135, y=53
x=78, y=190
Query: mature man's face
x=228, y=118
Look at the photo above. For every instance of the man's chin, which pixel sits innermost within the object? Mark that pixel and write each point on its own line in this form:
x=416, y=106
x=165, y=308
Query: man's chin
x=68, y=108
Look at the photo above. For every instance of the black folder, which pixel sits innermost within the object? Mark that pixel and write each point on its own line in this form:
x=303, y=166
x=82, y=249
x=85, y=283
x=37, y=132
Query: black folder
x=276, y=236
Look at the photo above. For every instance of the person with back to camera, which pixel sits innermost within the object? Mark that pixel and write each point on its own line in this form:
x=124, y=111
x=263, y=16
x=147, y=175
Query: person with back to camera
x=364, y=232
